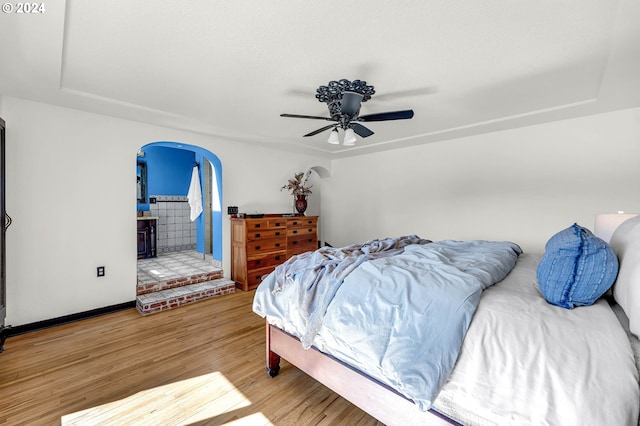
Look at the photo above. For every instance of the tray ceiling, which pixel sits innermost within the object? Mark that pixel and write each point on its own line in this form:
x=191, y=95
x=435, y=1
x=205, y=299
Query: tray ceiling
x=229, y=68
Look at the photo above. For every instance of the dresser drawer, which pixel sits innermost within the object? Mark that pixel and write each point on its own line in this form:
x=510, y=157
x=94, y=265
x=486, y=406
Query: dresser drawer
x=309, y=230
x=264, y=260
x=302, y=243
x=254, y=277
x=280, y=222
x=265, y=246
x=295, y=222
x=265, y=234
x=296, y=251
x=265, y=223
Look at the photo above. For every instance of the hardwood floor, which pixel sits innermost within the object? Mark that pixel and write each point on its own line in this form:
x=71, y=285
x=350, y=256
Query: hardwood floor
x=201, y=364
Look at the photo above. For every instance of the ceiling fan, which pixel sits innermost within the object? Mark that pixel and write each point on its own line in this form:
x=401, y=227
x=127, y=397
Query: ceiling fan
x=344, y=99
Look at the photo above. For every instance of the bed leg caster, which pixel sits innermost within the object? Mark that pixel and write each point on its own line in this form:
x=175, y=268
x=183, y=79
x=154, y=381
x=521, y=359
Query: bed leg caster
x=273, y=359
x=273, y=372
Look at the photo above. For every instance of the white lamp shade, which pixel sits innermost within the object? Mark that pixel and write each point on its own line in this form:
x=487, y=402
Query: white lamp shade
x=606, y=224
x=333, y=137
x=349, y=137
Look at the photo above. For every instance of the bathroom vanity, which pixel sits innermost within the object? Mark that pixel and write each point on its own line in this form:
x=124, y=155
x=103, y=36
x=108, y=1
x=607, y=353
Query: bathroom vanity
x=147, y=236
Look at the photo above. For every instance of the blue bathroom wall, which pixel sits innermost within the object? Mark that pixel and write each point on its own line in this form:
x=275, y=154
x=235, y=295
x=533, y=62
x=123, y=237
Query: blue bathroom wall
x=168, y=171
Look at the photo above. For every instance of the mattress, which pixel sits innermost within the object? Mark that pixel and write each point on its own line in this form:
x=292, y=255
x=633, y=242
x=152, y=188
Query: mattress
x=525, y=361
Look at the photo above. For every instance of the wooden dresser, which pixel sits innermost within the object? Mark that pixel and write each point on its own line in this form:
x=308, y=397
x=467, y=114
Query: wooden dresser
x=259, y=245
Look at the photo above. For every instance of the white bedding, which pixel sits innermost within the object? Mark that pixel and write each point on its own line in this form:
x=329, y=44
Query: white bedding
x=525, y=361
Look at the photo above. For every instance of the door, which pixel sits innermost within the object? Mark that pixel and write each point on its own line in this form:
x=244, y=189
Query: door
x=5, y=220
x=206, y=205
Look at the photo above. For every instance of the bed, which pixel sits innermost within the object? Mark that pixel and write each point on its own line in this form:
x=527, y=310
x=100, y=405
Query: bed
x=358, y=319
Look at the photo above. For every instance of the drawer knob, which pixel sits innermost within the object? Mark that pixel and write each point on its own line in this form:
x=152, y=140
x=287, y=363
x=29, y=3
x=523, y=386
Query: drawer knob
x=295, y=231
x=277, y=257
x=257, y=225
x=257, y=262
x=257, y=235
x=295, y=242
x=277, y=244
x=257, y=247
x=277, y=233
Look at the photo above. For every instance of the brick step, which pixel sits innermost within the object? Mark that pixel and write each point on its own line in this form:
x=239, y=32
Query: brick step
x=162, y=300
x=173, y=280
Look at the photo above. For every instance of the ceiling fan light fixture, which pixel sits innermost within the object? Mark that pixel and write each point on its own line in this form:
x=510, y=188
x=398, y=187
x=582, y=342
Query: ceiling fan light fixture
x=349, y=137
x=334, y=139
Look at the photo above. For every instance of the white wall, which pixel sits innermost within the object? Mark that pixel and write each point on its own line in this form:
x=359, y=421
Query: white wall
x=71, y=193
x=521, y=185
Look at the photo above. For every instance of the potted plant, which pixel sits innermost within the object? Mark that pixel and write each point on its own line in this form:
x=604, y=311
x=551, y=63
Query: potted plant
x=299, y=189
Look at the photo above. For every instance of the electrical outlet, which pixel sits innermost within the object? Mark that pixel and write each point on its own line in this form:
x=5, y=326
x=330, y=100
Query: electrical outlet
x=101, y=271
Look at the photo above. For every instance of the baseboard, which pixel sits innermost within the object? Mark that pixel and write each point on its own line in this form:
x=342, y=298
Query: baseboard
x=9, y=331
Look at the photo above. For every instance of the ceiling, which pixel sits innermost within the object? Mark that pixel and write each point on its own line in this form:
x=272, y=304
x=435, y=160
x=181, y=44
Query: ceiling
x=230, y=68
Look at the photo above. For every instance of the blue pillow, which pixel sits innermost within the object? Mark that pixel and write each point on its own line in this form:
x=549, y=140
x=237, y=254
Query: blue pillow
x=577, y=268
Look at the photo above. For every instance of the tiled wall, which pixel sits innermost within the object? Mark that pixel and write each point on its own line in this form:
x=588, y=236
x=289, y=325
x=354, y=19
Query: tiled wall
x=176, y=232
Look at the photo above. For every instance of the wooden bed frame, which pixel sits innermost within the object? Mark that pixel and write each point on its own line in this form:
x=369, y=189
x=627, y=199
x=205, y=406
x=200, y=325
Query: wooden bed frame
x=377, y=399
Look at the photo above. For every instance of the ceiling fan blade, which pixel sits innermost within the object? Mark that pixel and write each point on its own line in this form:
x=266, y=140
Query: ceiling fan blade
x=320, y=130
x=306, y=116
x=385, y=116
x=360, y=130
x=350, y=103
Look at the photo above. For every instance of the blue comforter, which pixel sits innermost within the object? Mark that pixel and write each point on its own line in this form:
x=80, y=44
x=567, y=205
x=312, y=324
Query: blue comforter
x=398, y=312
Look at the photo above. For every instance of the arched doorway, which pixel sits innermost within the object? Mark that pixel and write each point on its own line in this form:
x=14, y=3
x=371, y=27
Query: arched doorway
x=168, y=167
x=187, y=263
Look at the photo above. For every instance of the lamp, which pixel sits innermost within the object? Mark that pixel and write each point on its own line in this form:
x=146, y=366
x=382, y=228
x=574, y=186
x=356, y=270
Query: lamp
x=606, y=224
x=349, y=137
x=333, y=137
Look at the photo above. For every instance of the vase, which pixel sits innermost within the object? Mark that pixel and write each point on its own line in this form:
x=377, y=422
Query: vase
x=301, y=204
